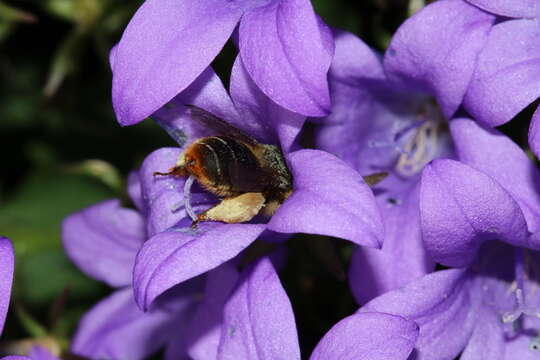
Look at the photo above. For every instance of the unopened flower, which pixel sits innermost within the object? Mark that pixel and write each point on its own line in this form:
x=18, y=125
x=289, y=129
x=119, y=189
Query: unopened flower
x=285, y=47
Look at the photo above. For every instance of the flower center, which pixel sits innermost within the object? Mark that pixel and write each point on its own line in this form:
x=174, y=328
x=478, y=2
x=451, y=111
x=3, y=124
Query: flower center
x=422, y=139
x=523, y=270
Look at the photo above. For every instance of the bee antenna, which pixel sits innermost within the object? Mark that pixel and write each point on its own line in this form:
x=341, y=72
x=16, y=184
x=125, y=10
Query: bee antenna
x=187, y=198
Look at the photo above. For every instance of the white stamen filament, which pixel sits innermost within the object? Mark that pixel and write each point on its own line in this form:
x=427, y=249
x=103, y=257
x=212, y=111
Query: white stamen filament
x=187, y=198
x=519, y=284
x=420, y=150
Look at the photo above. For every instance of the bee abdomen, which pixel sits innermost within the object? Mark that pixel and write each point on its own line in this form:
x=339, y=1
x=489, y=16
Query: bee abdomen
x=229, y=164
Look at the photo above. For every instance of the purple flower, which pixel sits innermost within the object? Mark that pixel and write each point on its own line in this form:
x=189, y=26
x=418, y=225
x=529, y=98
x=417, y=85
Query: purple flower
x=498, y=71
x=7, y=262
x=392, y=116
x=328, y=198
x=477, y=215
x=259, y=324
x=285, y=47
x=102, y=241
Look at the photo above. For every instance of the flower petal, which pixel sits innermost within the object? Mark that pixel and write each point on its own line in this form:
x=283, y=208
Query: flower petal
x=206, y=92
x=428, y=53
x=167, y=44
x=534, y=133
x=487, y=340
x=514, y=8
x=329, y=198
x=357, y=119
x=287, y=51
x=265, y=120
x=205, y=327
x=457, y=213
x=440, y=304
x=40, y=353
x=367, y=336
x=499, y=157
x=258, y=318
x=103, y=240
x=507, y=75
x=116, y=328
x=7, y=263
x=177, y=255
x=402, y=257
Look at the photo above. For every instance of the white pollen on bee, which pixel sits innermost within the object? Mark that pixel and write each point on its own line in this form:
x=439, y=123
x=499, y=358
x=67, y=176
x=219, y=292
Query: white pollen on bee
x=181, y=160
x=187, y=198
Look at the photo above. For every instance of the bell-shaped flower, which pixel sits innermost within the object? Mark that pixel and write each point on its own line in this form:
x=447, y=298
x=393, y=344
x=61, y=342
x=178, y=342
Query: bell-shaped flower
x=479, y=215
x=284, y=45
x=391, y=116
x=328, y=197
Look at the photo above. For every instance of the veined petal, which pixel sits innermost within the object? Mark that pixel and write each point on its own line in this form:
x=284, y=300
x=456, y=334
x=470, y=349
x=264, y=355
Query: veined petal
x=206, y=92
x=177, y=255
x=103, y=240
x=507, y=76
x=428, y=53
x=440, y=304
x=402, y=257
x=457, y=210
x=205, y=327
x=329, y=198
x=7, y=263
x=166, y=45
x=499, y=157
x=287, y=51
x=368, y=336
x=258, y=318
x=487, y=339
x=116, y=328
x=263, y=118
x=357, y=119
x=534, y=133
x=514, y=8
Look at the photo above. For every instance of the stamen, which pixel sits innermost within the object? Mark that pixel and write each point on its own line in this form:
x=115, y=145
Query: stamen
x=521, y=308
x=187, y=198
x=420, y=150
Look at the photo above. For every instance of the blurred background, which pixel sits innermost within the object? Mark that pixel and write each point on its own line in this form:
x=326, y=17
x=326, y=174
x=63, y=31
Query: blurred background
x=62, y=150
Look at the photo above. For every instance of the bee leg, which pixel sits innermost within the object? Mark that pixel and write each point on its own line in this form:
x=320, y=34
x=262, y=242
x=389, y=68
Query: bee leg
x=234, y=210
x=179, y=171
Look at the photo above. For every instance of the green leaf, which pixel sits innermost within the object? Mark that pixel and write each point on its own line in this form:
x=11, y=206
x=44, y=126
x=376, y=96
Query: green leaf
x=32, y=219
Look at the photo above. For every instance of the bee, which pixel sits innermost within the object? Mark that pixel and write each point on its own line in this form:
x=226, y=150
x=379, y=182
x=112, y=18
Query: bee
x=249, y=177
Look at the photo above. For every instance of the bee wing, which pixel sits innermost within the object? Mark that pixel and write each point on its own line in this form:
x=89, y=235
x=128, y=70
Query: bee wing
x=220, y=126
